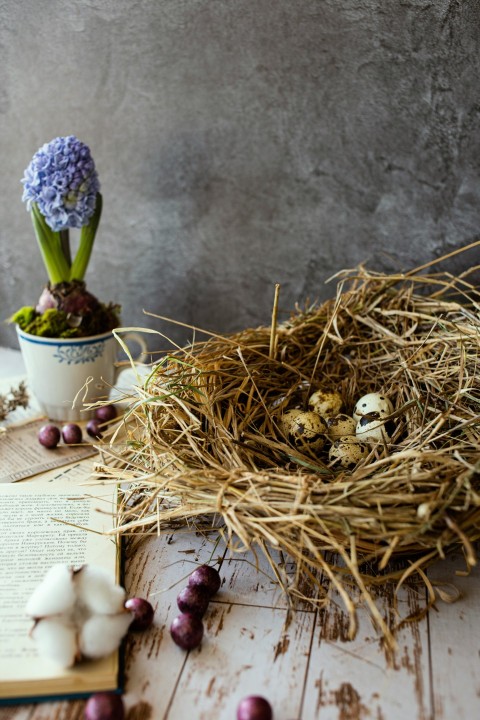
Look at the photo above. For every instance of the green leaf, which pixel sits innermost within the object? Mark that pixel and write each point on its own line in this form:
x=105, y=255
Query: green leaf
x=87, y=237
x=56, y=265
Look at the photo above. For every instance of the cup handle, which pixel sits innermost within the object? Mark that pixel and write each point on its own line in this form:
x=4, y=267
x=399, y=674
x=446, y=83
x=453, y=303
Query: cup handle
x=136, y=338
x=124, y=338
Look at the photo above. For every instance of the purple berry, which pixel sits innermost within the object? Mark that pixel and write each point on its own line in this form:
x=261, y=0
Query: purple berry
x=187, y=631
x=193, y=599
x=49, y=436
x=104, y=413
x=254, y=707
x=104, y=706
x=93, y=429
x=142, y=613
x=207, y=578
x=71, y=434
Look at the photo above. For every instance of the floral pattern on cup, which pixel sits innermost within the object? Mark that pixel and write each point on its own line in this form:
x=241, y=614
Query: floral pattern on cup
x=66, y=375
x=73, y=355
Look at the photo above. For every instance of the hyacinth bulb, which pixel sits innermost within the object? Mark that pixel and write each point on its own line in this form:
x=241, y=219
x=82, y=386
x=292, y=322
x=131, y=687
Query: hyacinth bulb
x=72, y=298
x=78, y=614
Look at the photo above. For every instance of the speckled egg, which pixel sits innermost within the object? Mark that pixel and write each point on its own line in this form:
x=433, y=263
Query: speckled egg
x=372, y=403
x=326, y=403
x=340, y=425
x=371, y=428
x=287, y=419
x=347, y=451
x=304, y=429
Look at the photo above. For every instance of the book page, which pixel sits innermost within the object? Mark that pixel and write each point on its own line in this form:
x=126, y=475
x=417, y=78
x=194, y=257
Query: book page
x=22, y=456
x=34, y=539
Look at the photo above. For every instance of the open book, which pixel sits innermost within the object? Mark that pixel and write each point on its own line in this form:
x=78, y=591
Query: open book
x=41, y=521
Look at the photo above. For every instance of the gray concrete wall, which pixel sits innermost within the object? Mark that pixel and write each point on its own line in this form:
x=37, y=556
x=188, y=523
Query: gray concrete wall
x=241, y=143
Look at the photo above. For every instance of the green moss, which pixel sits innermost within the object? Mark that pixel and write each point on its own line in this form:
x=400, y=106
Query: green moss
x=55, y=323
x=23, y=317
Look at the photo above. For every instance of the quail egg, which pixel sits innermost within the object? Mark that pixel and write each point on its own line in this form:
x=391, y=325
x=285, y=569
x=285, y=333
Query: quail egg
x=304, y=429
x=340, y=425
x=373, y=403
x=347, y=451
x=371, y=428
x=326, y=403
x=287, y=419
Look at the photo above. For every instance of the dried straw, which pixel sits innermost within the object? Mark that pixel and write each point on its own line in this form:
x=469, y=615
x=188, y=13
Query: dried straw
x=203, y=443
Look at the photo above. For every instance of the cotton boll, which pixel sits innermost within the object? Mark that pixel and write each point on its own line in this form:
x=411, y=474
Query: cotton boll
x=55, y=594
x=98, y=592
x=79, y=613
x=102, y=634
x=56, y=641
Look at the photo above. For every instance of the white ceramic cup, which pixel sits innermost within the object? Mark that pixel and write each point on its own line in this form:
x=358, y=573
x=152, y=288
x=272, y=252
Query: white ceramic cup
x=66, y=374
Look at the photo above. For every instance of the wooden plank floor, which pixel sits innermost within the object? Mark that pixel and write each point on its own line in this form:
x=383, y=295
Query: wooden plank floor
x=303, y=664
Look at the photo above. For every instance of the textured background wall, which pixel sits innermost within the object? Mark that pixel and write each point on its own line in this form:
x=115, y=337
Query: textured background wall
x=241, y=143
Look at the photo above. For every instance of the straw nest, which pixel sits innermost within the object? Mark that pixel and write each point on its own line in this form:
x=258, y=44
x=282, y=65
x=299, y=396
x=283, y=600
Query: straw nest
x=204, y=441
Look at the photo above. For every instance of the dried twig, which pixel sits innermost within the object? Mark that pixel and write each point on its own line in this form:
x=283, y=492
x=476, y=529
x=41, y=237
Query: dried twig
x=15, y=398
